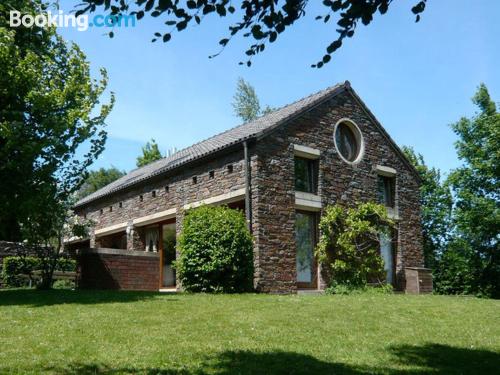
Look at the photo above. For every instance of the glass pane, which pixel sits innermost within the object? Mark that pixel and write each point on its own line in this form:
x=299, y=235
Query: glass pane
x=386, y=251
x=303, y=175
x=304, y=241
x=386, y=190
x=346, y=142
x=169, y=236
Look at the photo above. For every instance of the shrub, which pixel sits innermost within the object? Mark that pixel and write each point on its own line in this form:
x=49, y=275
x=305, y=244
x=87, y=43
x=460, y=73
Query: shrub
x=63, y=284
x=15, y=266
x=349, y=244
x=216, y=251
x=343, y=289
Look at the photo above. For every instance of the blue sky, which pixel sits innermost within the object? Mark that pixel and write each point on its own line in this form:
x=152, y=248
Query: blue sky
x=417, y=78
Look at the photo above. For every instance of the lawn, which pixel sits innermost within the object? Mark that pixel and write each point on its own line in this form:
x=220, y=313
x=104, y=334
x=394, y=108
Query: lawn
x=67, y=332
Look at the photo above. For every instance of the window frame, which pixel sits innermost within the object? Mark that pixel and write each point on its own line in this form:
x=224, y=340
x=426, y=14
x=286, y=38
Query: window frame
x=312, y=170
x=392, y=190
x=358, y=135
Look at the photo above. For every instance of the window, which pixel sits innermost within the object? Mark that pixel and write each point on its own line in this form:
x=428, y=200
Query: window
x=230, y=168
x=120, y=204
x=153, y=193
x=305, y=240
x=195, y=180
x=101, y=211
x=306, y=175
x=348, y=141
x=386, y=190
x=387, y=252
x=211, y=174
x=141, y=198
x=110, y=208
x=166, y=189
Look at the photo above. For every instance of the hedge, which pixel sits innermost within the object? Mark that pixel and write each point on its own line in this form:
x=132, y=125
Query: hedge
x=216, y=251
x=14, y=266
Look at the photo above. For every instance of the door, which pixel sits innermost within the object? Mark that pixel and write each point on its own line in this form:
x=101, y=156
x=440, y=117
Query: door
x=305, y=240
x=387, y=254
x=169, y=241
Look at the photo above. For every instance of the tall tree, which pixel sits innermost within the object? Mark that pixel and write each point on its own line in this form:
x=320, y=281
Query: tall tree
x=150, y=153
x=436, y=207
x=260, y=20
x=98, y=179
x=49, y=109
x=246, y=103
x=476, y=188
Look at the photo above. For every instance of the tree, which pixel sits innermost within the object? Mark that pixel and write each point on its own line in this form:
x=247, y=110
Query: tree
x=436, y=208
x=350, y=241
x=98, y=179
x=476, y=189
x=150, y=153
x=48, y=111
x=260, y=20
x=246, y=104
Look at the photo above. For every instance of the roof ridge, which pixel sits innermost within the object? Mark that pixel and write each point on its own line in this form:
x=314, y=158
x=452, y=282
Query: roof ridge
x=214, y=143
x=251, y=121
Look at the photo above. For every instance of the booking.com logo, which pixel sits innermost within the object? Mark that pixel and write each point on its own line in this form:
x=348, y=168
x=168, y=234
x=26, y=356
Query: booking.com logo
x=81, y=23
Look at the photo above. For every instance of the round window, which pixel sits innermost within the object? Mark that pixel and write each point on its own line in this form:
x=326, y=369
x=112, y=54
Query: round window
x=348, y=141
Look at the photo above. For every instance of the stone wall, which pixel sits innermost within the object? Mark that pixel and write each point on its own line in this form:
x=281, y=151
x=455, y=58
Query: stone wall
x=175, y=190
x=118, y=269
x=339, y=182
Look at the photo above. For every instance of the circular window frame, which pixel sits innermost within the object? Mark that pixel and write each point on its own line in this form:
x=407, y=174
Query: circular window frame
x=357, y=135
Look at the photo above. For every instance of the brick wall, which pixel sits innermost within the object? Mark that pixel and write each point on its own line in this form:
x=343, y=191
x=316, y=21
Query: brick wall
x=118, y=269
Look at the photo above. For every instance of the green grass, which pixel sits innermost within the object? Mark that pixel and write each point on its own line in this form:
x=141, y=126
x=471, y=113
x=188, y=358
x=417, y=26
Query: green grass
x=67, y=332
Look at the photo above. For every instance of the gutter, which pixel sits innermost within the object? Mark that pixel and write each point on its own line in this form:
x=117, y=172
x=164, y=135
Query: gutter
x=248, y=203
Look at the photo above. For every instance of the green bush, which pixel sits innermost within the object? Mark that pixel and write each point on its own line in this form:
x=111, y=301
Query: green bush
x=216, y=251
x=346, y=289
x=64, y=284
x=349, y=245
x=15, y=266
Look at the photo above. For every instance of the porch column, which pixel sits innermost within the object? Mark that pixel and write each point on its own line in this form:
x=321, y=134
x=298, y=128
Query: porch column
x=134, y=242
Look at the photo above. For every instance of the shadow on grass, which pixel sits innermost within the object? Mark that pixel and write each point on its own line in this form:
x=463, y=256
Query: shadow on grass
x=431, y=358
x=38, y=298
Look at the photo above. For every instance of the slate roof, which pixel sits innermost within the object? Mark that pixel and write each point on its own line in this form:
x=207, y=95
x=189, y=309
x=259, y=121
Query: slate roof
x=218, y=142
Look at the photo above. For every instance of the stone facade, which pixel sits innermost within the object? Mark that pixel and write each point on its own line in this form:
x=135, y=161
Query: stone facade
x=273, y=201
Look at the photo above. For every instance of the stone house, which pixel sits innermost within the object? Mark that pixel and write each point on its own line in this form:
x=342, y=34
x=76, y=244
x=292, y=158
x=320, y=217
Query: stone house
x=282, y=169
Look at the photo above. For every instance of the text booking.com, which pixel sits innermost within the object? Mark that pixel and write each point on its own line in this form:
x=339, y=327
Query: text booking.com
x=59, y=19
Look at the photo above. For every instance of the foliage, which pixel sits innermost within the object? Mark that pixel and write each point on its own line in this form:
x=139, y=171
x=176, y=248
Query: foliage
x=347, y=289
x=245, y=101
x=436, y=208
x=150, y=153
x=49, y=113
x=216, y=251
x=14, y=266
x=98, y=179
x=349, y=243
x=476, y=188
x=455, y=270
x=246, y=104
x=64, y=284
x=260, y=20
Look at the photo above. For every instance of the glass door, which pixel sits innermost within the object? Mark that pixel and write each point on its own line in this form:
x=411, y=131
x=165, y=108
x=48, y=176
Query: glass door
x=305, y=239
x=168, y=257
x=387, y=254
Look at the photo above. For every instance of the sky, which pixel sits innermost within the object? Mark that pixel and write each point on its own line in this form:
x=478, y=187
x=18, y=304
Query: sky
x=417, y=78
